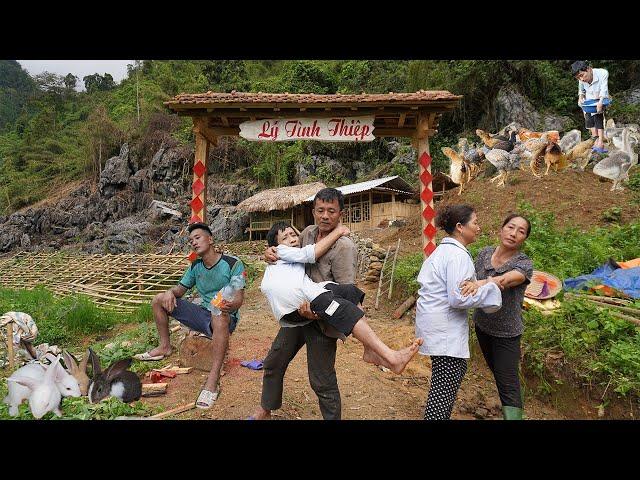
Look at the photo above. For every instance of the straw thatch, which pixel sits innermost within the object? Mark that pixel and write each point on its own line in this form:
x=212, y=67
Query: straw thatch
x=280, y=198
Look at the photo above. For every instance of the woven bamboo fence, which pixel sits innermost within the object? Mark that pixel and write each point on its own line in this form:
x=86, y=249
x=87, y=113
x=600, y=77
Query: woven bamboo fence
x=120, y=282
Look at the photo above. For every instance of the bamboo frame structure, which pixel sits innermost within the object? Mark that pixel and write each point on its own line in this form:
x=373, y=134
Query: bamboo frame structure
x=120, y=282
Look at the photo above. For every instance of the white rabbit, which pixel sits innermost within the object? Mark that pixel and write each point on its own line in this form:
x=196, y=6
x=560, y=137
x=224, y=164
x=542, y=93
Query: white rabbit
x=45, y=395
x=66, y=384
x=19, y=392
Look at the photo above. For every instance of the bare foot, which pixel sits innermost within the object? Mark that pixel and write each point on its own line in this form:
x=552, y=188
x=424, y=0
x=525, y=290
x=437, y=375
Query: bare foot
x=261, y=414
x=160, y=351
x=370, y=356
x=404, y=356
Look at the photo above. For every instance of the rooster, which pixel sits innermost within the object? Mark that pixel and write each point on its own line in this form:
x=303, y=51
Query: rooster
x=457, y=169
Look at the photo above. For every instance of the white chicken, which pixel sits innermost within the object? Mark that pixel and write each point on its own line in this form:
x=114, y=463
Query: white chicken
x=616, y=165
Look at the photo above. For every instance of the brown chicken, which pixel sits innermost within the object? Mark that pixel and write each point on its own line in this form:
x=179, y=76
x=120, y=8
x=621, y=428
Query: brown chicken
x=458, y=169
x=493, y=141
x=553, y=156
x=580, y=154
x=552, y=135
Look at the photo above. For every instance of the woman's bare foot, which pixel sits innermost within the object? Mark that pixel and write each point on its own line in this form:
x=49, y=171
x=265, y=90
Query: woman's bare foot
x=261, y=414
x=370, y=356
x=404, y=356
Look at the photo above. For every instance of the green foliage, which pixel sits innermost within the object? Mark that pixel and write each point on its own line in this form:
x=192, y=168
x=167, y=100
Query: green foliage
x=275, y=163
x=612, y=215
x=597, y=346
x=60, y=320
x=406, y=274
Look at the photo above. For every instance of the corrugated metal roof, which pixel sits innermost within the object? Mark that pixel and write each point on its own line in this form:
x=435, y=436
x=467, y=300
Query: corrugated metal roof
x=365, y=186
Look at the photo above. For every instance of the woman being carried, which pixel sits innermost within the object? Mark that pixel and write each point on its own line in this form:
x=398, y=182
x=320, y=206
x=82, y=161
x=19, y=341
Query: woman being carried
x=287, y=286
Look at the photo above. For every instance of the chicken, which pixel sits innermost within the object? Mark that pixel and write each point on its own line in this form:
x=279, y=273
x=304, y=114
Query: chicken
x=534, y=150
x=581, y=154
x=570, y=140
x=616, y=165
x=457, y=169
x=498, y=141
x=473, y=156
x=553, y=156
x=552, y=135
x=504, y=162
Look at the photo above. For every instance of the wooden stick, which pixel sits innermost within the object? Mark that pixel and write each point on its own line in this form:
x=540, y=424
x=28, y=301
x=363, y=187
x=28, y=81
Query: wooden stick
x=10, y=345
x=174, y=411
x=626, y=317
x=615, y=301
x=406, y=305
x=152, y=389
x=632, y=311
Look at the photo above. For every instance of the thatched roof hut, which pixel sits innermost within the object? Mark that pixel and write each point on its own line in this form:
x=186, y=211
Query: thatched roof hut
x=280, y=198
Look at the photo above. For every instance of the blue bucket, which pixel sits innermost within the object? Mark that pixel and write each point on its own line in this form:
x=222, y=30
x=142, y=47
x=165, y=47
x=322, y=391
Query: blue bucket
x=589, y=106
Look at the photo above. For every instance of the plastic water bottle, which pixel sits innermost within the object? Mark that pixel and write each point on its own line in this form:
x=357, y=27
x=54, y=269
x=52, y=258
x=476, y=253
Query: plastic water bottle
x=227, y=293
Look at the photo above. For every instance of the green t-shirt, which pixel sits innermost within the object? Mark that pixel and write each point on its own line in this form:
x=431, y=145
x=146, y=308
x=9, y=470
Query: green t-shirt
x=209, y=281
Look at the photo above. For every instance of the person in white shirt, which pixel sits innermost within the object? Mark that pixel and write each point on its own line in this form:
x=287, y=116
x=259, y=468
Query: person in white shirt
x=441, y=310
x=287, y=286
x=593, y=83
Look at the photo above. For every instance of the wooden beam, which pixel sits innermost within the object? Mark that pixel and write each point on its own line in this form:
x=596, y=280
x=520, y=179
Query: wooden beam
x=225, y=121
x=200, y=126
x=225, y=131
x=403, y=116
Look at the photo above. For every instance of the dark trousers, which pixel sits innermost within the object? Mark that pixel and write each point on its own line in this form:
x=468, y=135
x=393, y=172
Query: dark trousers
x=321, y=359
x=446, y=376
x=503, y=358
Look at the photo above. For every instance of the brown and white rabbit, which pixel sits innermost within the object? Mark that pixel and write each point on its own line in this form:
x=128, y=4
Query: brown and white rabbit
x=78, y=372
x=115, y=381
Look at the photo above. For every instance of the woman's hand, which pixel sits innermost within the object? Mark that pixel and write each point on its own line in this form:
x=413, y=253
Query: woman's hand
x=469, y=287
x=271, y=255
x=499, y=280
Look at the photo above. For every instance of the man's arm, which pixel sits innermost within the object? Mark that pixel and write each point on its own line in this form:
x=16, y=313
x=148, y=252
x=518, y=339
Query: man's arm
x=169, y=297
x=325, y=244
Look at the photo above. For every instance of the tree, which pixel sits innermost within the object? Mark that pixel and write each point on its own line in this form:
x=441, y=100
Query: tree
x=70, y=81
x=103, y=138
x=97, y=82
x=227, y=75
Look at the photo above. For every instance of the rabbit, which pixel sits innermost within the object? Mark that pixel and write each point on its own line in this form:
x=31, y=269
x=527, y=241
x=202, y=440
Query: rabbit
x=66, y=384
x=115, y=381
x=45, y=395
x=78, y=372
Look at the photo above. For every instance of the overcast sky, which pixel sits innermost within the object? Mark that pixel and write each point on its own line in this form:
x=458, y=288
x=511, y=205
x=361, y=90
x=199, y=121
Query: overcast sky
x=80, y=68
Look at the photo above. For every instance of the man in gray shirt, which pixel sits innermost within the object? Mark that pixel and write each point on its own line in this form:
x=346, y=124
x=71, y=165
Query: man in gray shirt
x=337, y=265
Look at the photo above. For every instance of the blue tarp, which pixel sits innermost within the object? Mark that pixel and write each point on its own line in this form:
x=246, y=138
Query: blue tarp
x=626, y=280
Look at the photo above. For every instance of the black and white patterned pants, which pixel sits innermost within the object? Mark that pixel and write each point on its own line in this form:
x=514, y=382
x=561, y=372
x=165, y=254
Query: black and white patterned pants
x=446, y=376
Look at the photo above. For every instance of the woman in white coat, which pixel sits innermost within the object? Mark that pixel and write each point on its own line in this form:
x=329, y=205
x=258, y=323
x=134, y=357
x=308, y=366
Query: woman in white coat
x=441, y=311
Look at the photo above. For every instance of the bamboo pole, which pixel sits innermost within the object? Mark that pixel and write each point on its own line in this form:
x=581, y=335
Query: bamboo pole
x=381, y=277
x=174, y=411
x=393, y=269
x=10, y=345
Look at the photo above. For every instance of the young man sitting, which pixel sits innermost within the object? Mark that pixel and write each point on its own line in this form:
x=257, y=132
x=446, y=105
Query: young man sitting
x=211, y=272
x=286, y=286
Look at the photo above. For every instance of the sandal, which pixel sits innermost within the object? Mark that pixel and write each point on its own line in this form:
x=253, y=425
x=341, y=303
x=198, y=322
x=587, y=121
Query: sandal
x=206, y=398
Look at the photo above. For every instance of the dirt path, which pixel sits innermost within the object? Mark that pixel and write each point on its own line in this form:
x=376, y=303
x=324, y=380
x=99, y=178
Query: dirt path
x=367, y=392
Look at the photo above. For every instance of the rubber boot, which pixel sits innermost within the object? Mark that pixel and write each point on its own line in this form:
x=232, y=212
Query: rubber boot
x=511, y=413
